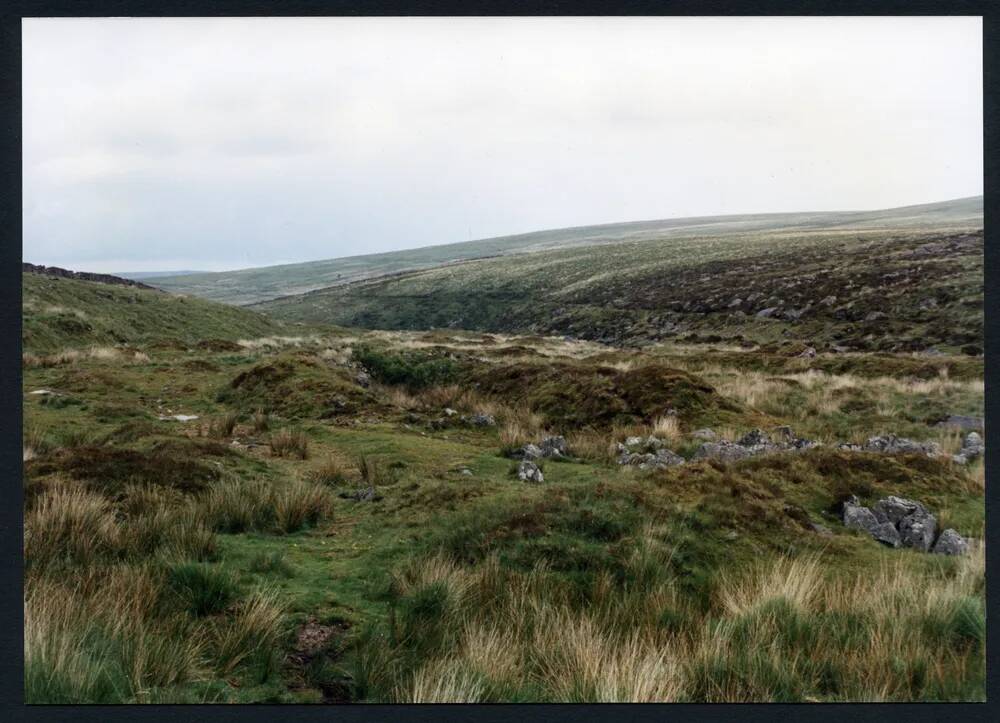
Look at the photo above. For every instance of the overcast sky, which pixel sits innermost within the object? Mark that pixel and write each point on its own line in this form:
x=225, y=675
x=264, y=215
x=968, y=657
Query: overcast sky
x=228, y=143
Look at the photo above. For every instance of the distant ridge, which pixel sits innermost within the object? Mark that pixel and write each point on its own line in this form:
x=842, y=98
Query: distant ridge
x=254, y=285
x=83, y=276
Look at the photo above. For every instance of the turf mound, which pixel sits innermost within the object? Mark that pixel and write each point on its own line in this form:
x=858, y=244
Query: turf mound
x=584, y=395
x=296, y=387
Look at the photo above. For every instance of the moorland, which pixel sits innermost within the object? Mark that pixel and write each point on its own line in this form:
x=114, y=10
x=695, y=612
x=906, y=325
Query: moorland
x=676, y=466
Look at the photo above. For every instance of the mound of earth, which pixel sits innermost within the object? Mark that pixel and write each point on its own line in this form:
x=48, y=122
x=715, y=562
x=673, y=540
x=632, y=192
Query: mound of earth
x=572, y=395
x=296, y=387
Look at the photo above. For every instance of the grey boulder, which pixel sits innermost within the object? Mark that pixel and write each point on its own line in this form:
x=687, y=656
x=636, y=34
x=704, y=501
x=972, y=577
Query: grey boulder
x=528, y=471
x=951, y=543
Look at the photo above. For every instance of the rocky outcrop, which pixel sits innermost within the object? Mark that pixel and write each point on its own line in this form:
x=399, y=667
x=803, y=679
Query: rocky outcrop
x=900, y=522
x=891, y=444
x=548, y=448
x=647, y=453
x=83, y=276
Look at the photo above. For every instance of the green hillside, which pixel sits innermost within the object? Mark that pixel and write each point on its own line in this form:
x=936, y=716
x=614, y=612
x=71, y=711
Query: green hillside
x=247, y=286
x=871, y=290
x=59, y=313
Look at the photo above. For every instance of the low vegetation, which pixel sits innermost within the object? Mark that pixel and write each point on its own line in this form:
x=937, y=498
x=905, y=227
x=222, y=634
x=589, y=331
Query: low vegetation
x=225, y=508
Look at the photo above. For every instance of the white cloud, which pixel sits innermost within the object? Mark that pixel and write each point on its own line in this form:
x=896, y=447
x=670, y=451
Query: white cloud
x=219, y=143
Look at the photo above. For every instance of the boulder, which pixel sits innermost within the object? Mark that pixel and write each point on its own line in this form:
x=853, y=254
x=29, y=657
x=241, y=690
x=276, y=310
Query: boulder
x=972, y=446
x=767, y=313
x=917, y=530
x=554, y=447
x=363, y=379
x=891, y=444
x=858, y=517
x=722, y=450
x=894, y=509
x=480, y=420
x=950, y=543
x=528, y=471
x=528, y=451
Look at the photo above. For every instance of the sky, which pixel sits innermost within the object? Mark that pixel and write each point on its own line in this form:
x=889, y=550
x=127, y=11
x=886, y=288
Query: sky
x=224, y=143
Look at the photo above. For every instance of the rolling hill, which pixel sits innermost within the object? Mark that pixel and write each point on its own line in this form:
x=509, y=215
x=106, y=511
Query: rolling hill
x=904, y=280
x=61, y=312
x=249, y=286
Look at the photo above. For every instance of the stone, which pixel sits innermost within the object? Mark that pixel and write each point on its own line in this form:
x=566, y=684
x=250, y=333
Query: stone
x=449, y=412
x=705, y=434
x=554, y=447
x=767, y=313
x=754, y=437
x=362, y=379
x=876, y=316
x=528, y=471
x=891, y=444
x=894, y=509
x=857, y=517
x=179, y=417
x=917, y=530
x=972, y=446
x=723, y=451
x=950, y=543
x=481, y=420
x=633, y=441
x=529, y=451
x=808, y=353
x=821, y=530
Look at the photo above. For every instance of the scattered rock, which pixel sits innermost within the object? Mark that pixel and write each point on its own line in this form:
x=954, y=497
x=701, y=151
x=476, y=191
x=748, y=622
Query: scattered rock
x=480, y=420
x=900, y=522
x=857, y=517
x=808, y=353
x=705, y=434
x=528, y=471
x=449, y=412
x=363, y=379
x=876, y=316
x=365, y=494
x=891, y=444
x=554, y=447
x=972, y=449
x=178, y=417
x=722, y=450
x=950, y=543
x=767, y=313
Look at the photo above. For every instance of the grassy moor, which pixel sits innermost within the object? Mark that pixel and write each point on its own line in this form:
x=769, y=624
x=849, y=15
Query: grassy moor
x=733, y=459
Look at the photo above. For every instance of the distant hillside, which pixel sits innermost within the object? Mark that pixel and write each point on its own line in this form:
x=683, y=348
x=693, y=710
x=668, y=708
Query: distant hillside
x=139, y=275
x=248, y=286
x=901, y=288
x=61, y=312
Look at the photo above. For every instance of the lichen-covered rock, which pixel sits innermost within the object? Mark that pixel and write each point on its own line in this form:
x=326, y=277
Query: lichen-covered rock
x=891, y=444
x=858, y=517
x=917, y=531
x=951, y=543
x=480, y=420
x=528, y=471
x=554, y=447
x=723, y=451
x=894, y=509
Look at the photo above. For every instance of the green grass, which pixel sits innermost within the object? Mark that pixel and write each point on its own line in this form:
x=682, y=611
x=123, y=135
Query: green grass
x=236, y=548
x=63, y=313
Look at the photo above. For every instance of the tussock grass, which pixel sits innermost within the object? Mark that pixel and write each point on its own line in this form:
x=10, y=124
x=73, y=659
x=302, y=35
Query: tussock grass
x=260, y=421
x=331, y=471
x=786, y=631
x=289, y=443
x=244, y=505
x=223, y=425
